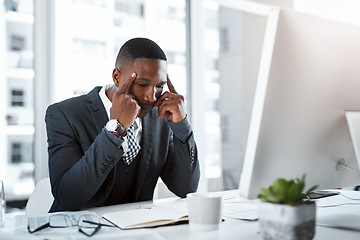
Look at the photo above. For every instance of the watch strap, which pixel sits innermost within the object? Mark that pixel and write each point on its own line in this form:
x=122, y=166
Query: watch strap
x=121, y=131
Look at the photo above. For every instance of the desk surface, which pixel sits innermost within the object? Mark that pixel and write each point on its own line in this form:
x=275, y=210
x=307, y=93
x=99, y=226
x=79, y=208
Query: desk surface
x=229, y=229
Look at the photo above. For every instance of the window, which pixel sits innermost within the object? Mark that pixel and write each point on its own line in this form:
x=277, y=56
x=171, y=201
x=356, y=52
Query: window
x=88, y=47
x=17, y=98
x=132, y=8
x=95, y=3
x=17, y=89
x=176, y=58
x=16, y=156
x=230, y=55
x=93, y=43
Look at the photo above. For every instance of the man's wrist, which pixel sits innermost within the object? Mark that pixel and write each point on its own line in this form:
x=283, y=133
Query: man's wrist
x=114, y=126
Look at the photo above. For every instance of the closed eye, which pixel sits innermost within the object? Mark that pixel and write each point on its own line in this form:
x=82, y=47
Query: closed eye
x=142, y=84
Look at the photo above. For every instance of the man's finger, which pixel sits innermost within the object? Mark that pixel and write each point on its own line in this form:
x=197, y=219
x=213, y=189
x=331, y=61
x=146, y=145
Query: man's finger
x=170, y=85
x=132, y=97
x=167, y=96
x=125, y=87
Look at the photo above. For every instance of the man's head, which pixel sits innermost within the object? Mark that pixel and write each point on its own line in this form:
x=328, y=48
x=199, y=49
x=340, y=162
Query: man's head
x=145, y=58
x=139, y=48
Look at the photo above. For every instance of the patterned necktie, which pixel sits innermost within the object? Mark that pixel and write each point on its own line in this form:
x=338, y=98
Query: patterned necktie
x=133, y=146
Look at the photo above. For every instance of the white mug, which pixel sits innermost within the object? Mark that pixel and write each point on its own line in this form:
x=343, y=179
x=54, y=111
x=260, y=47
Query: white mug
x=204, y=210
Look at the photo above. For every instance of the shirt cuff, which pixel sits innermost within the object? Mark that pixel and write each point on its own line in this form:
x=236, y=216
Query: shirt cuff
x=117, y=141
x=182, y=129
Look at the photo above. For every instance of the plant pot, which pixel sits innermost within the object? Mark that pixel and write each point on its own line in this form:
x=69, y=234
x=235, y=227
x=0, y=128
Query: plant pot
x=282, y=222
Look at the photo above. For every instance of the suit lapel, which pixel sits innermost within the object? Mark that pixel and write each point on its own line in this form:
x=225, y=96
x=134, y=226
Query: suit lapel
x=146, y=149
x=97, y=109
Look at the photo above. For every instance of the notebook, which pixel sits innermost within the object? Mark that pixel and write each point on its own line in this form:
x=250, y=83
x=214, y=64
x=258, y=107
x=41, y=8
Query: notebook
x=154, y=216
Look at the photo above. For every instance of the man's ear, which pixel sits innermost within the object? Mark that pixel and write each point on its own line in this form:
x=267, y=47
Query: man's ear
x=116, y=75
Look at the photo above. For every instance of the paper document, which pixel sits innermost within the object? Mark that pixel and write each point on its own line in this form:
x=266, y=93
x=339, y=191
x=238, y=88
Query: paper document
x=238, y=207
x=340, y=211
x=344, y=198
x=150, y=215
x=340, y=221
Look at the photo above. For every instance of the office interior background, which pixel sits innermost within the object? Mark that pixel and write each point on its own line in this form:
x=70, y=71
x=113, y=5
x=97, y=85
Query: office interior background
x=52, y=50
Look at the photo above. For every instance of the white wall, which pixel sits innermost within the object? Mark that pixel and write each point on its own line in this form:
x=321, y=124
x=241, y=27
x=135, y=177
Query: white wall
x=341, y=10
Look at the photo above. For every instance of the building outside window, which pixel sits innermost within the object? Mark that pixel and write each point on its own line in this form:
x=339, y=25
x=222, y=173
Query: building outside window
x=17, y=98
x=86, y=47
x=17, y=106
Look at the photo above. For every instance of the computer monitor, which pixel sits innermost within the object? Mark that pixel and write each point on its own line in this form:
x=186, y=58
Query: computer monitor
x=309, y=76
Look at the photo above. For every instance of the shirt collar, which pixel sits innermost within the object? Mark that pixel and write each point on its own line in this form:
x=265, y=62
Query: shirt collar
x=105, y=100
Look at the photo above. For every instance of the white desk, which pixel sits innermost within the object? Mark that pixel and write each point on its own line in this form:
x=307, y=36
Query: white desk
x=229, y=229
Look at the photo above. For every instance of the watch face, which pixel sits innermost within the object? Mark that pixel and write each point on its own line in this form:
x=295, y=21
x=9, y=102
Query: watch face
x=112, y=125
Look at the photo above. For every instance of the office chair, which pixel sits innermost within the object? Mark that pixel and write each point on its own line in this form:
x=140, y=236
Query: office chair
x=41, y=199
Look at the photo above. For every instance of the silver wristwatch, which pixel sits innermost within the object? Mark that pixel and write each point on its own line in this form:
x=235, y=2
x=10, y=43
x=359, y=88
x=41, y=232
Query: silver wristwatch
x=115, y=127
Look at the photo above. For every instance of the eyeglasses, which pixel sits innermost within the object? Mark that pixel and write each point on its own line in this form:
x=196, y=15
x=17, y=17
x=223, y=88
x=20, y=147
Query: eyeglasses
x=89, y=224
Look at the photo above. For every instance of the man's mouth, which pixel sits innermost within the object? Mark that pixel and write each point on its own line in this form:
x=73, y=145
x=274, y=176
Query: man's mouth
x=147, y=108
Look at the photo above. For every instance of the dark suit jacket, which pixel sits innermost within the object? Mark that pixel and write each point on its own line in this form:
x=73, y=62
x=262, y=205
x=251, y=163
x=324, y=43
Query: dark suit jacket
x=82, y=156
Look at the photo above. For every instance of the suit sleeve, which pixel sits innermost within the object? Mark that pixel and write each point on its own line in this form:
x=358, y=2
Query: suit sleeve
x=181, y=173
x=76, y=175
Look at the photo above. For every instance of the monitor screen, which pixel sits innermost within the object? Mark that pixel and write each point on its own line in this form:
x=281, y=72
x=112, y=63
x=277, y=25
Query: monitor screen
x=309, y=76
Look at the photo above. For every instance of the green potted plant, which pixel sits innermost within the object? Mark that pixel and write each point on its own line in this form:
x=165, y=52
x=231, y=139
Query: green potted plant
x=286, y=212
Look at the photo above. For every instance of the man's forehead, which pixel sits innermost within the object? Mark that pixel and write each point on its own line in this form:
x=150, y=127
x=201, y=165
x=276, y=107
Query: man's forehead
x=151, y=67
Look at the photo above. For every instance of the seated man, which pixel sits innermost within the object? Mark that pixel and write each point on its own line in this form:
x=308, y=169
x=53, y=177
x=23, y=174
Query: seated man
x=111, y=145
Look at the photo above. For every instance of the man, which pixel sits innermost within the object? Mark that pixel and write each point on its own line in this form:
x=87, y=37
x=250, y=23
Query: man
x=111, y=145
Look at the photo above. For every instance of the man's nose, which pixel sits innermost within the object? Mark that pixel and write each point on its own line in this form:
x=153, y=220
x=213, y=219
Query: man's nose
x=150, y=95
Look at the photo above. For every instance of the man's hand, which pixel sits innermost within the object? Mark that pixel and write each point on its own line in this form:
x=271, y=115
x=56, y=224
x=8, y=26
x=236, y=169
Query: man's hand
x=124, y=106
x=171, y=104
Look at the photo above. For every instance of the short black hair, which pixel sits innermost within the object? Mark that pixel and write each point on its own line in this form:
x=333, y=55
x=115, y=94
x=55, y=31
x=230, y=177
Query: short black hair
x=139, y=48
